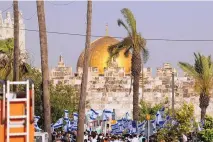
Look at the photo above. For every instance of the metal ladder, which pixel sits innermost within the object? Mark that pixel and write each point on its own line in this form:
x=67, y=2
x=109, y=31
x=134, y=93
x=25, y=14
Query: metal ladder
x=26, y=117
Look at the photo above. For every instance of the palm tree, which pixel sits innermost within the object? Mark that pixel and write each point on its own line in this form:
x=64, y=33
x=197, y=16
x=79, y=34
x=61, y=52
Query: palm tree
x=44, y=66
x=82, y=101
x=202, y=73
x=134, y=43
x=7, y=61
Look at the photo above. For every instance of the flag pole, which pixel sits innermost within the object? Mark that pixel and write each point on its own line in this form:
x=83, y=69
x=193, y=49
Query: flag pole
x=148, y=127
x=105, y=127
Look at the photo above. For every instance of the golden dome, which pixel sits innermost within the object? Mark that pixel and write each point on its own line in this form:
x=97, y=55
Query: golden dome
x=99, y=55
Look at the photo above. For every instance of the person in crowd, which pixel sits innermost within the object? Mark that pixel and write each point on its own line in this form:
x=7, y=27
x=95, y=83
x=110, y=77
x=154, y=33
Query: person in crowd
x=94, y=138
x=100, y=138
x=135, y=138
x=85, y=136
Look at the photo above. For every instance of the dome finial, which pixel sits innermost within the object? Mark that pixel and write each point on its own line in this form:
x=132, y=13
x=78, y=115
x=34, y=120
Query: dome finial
x=60, y=58
x=106, y=29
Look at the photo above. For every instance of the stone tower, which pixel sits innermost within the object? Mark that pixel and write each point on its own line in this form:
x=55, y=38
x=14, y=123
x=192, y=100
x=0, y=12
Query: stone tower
x=6, y=30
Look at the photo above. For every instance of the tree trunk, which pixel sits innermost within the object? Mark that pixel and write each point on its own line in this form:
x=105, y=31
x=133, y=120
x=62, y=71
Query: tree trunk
x=136, y=70
x=142, y=80
x=82, y=100
x=204, y=103
x=44, y=66
x=16, y=43
x=203, y=113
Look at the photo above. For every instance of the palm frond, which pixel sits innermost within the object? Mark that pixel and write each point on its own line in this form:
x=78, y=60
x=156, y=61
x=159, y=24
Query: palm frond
x=130, y=19
x=124, y=43
x=114, y=54
x=202, y=73
x=145, y=55
x=114, y=50
x=189, y=69
x=120, y=22
x=127, y=51
x=207, y=75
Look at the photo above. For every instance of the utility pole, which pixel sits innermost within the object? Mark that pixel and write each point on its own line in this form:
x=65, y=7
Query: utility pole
x=173, y=94
x=16, y=51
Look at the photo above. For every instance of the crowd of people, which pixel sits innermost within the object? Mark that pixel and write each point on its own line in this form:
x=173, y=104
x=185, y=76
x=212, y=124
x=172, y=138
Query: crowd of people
x=94, y=137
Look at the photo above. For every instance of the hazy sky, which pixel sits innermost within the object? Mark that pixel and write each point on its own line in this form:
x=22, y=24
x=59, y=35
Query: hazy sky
x=170, y=20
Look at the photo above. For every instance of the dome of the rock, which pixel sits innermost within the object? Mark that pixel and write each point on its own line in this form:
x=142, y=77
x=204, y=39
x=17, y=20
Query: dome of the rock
x=99, y=55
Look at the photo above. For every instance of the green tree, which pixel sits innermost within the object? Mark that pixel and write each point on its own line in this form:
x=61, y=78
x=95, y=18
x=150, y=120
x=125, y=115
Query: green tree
x=146, y=108
x=202, y=72
x=134, y=43
x=62, y=97
x=7, y=59
x=206, y=135
x=184, y=124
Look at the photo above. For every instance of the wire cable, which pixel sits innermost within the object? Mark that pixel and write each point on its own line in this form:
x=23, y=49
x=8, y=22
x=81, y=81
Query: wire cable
x=60, y=4
x=30, y=17
x=7, y=9
x=148, y=39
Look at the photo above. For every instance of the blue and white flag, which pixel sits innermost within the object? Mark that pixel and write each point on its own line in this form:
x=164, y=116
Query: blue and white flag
x=75, y=116
x=58, y=124
x=93, y=114
x=153, y=122
x=159, y=119
x=66, y=115
x=66, y=119
x=74, y=126
x=153, y=126
x=127, y=116
x=107, y=114
x=168, y=118
x=125, y=124
x=141, y=127
x=36, y=119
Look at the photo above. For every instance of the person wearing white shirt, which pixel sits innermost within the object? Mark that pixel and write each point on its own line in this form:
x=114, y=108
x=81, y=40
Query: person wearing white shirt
x=135, y=139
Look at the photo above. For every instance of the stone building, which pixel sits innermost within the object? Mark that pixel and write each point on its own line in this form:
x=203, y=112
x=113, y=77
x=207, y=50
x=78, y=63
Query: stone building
x=109, y=86
x=6, y=30
x=61, y=74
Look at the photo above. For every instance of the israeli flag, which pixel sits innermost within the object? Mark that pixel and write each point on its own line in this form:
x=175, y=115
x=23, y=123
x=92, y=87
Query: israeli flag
x=126, y=124
x=118, y=132
x=114, y=127
x=66, y=115
x=130, y=128
x=75, y=116
x=153, y=126
x=141, y=127
x=162, y=111
x=93, y=114
x=107, y=114
x=168, y=118
x=36, y=119
x=153, y=122
x=74, y=126
x=58, y=124
x=159, y=119
x=127, y=116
